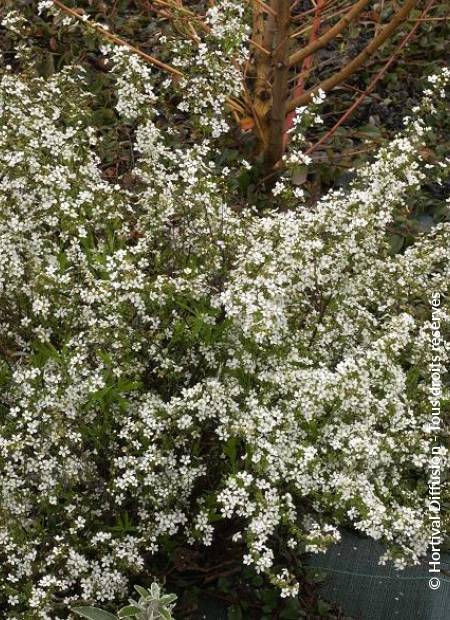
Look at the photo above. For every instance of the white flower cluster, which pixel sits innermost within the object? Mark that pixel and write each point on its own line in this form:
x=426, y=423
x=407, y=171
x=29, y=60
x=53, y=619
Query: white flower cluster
x=134, y=83
x=212, y=66
x=167, y=363
x=295, y=159
x=15, y=22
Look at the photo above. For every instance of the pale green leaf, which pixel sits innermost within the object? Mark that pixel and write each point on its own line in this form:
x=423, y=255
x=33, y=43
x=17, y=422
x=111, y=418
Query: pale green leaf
x=142, y=591
x=129, y=610
x=93, y=613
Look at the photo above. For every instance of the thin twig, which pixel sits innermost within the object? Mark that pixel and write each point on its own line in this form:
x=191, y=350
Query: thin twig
x=300, y=55
x=360, y=59
x=306, y=67
x=265, y=7
x=115, y=39
x=374, y=81
x=325, y=18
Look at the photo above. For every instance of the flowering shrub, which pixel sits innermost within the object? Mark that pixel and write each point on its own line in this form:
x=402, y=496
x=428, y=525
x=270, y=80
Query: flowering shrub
x=168, y=363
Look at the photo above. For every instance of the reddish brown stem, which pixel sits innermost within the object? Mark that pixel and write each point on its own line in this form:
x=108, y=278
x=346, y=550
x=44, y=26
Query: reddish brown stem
x=374, y=81
x=359, y=60
x=306, y=67
x=315, y=45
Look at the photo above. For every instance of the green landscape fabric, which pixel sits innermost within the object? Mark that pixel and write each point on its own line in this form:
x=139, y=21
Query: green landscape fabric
x=367, y=591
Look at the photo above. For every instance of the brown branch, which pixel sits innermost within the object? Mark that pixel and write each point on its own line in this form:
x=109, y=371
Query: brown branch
x=115, y=39
x=265, y=7
x=263, y=32
x=306, y=67
x=180, y=9
x=235, y=105
x=280, y=82
x=185, y=15
x=374, y=81
x=431, y=19
x=354, y=65
x=325, y=18
x=300, y=55
x=301, y=16
x=259, y=47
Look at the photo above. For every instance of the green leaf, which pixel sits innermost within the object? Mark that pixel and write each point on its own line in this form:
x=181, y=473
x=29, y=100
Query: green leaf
x=244, y=181
x=270, y=598
x=167, y=599
x=299, y=175
x=142, y=591
x=257, y=581
x=396, y=243
x=93, y=613
x=290, y=610
x=155, y=590
x=230, y=449
x=370, y=130
x=128, y=386
x=99, y=395
x=129, y=610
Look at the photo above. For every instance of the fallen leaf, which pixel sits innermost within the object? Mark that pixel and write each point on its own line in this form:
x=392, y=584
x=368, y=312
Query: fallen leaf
x=247, y=123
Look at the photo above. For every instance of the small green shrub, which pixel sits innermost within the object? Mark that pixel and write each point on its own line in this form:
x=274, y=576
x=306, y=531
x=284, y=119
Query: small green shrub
x=151, y=605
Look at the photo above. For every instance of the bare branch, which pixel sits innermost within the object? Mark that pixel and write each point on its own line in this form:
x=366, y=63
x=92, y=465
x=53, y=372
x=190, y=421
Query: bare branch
x=300, y=55
x=374, y=81
x=265, y=7
x=354, y=65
